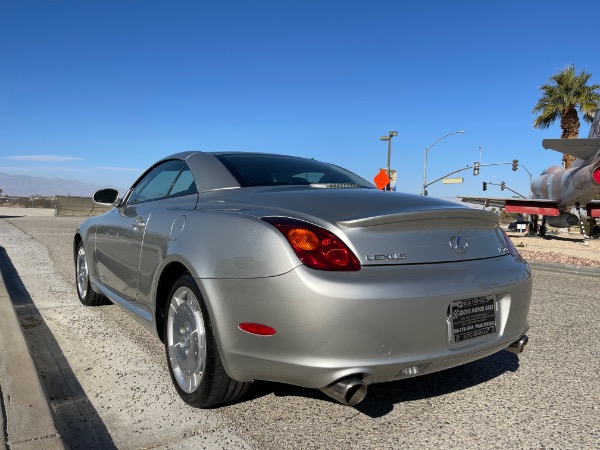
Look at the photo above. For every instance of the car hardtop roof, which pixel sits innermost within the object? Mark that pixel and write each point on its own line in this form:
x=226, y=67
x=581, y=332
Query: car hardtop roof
x=210, y=173
x=185, y=155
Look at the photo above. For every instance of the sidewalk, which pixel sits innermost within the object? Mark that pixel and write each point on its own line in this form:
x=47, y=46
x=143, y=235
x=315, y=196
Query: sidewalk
x=26, y=420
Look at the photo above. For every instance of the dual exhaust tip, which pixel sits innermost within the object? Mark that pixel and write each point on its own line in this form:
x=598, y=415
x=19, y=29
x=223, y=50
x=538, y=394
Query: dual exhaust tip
x=519, y=345
x=351, y=391
x=348, y=391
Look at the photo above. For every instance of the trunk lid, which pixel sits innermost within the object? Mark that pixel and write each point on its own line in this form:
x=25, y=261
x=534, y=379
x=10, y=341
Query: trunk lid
x=427, y=236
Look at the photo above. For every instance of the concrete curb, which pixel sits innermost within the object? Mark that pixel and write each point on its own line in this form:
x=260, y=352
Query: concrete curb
x=26, y=420
x=565, y=268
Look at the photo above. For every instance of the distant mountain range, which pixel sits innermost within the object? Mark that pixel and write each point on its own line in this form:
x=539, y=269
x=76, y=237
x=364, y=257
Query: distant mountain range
x=25, y=186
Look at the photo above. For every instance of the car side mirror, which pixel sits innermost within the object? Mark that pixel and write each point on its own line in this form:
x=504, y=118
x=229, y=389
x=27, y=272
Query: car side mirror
x=106, y=196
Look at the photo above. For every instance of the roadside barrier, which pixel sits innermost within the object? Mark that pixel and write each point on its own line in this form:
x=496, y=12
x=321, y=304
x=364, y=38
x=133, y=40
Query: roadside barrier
x=78, y=206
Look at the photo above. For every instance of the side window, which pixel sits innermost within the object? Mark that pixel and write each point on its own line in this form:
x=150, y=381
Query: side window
x=157, y=182
x=184, y=184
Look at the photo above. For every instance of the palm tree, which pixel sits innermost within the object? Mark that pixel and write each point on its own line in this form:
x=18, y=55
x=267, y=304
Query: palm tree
x=563, y=95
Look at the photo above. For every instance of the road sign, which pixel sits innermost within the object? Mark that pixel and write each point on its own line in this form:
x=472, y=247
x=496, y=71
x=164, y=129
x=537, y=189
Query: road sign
x=381, y=179
x=453, y=180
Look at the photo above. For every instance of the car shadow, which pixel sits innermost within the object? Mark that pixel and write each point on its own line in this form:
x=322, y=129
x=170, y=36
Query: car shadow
x=382, y=397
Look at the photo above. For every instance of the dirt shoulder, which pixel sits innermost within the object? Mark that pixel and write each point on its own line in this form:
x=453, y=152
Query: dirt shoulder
x=562, y=248
x=11, y=212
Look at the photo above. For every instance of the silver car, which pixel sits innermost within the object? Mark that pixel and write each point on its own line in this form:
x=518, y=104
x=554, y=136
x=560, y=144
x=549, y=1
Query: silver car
x=256, y=266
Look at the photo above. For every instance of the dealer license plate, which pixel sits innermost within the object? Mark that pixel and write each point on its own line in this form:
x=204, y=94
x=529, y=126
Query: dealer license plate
x=472, y=317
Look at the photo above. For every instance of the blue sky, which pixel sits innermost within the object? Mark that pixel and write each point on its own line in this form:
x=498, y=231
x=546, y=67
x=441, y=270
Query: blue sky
x=98, y=90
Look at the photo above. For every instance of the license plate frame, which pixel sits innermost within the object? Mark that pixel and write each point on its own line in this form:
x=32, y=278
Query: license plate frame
x=471, y=318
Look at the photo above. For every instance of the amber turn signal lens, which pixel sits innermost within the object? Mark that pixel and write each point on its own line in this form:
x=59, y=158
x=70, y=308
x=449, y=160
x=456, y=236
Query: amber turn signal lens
x=303, y=239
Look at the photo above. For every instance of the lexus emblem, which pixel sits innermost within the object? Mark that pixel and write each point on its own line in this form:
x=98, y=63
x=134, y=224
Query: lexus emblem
x=459, y=244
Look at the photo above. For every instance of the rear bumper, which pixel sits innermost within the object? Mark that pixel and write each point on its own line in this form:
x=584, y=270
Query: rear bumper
x=383, y=323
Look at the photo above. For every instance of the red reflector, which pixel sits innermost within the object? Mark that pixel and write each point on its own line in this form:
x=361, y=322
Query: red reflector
x=257, y=328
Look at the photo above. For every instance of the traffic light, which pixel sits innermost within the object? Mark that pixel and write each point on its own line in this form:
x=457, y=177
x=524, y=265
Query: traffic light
x=475, y=168
x=515, y=165
x=503, y=185
x=484, y=186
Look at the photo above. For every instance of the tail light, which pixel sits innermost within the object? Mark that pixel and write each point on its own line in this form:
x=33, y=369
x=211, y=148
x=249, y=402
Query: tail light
x=316, y=247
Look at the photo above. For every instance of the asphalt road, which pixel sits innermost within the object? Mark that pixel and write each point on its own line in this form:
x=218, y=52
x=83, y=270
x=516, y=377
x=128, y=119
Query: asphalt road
x=109, y=386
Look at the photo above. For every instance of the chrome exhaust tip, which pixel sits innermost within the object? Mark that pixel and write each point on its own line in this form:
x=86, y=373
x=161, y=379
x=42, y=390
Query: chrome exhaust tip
x=519, y=345
x=348, y=391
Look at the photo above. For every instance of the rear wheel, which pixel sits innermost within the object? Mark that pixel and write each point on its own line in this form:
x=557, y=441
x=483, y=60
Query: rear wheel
x=82, y=279
x=192, y=354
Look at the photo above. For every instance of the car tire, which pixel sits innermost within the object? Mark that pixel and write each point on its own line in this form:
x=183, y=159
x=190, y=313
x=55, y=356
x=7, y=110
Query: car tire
x=86, y=294
x=192, y=354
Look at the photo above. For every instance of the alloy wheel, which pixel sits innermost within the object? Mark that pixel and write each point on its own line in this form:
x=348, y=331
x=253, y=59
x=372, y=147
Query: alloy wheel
x=186, y=339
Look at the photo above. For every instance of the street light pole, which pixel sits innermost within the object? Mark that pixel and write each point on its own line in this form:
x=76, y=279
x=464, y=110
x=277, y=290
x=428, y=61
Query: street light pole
x=388, y=138
x=424, y=191
x=530, y=178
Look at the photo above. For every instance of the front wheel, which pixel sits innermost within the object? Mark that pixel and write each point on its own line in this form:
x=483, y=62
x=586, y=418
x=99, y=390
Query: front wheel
x=82, y=280
x=193, y=357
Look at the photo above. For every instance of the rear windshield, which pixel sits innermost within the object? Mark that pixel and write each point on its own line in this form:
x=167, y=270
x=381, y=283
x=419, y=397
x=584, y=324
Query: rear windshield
x=276, y=170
